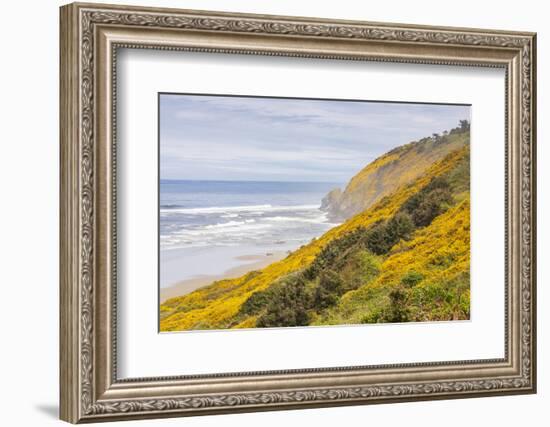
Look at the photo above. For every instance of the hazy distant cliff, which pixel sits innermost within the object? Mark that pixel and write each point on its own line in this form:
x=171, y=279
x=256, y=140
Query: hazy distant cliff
x=390, y=171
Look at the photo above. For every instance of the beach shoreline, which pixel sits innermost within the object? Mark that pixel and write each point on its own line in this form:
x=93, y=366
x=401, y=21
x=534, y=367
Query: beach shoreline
x=252, y=262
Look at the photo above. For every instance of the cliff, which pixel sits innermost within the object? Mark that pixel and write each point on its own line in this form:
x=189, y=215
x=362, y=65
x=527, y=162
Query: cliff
x=390, y=171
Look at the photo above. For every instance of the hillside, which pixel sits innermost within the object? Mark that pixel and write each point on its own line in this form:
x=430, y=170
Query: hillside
x=405, y=258
x=424, y=279
x=390, y=171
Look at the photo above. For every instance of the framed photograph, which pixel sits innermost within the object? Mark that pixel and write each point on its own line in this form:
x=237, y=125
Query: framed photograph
x=266, y=212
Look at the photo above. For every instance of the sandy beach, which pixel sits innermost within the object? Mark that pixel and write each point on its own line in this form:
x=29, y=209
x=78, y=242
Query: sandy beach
x=250, y=263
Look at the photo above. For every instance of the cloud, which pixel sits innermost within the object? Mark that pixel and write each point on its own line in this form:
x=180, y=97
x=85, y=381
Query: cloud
x=241, y=138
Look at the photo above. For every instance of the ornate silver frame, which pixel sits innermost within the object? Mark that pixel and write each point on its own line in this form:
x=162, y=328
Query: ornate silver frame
x=90, y=36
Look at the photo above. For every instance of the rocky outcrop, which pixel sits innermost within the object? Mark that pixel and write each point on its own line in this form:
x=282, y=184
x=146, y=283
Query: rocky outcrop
x=331, y=203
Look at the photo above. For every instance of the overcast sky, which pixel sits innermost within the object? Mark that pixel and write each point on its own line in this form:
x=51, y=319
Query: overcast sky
x=273, y=139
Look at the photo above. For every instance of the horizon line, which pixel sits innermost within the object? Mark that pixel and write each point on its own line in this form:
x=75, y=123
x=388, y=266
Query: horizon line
x=245, y=180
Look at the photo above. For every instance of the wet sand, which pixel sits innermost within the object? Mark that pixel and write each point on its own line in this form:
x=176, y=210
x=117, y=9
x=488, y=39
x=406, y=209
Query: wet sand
x=251, y=263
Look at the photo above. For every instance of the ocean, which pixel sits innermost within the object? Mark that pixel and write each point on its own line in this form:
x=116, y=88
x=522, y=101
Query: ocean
x=208, y=227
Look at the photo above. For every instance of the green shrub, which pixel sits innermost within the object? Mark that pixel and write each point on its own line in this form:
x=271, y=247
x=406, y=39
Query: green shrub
x=331, y=256
x=328, y=291
x=255, y=303
x=361, y=268
x=412, y=278
x=400, y=226
x=398, y=309
x=287, y=306
x=384, y=235
x=373, y=316
x=429, y=202
x=377, y=241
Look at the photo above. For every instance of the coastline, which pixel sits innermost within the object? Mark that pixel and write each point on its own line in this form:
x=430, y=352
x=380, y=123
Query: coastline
x=252, y=262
